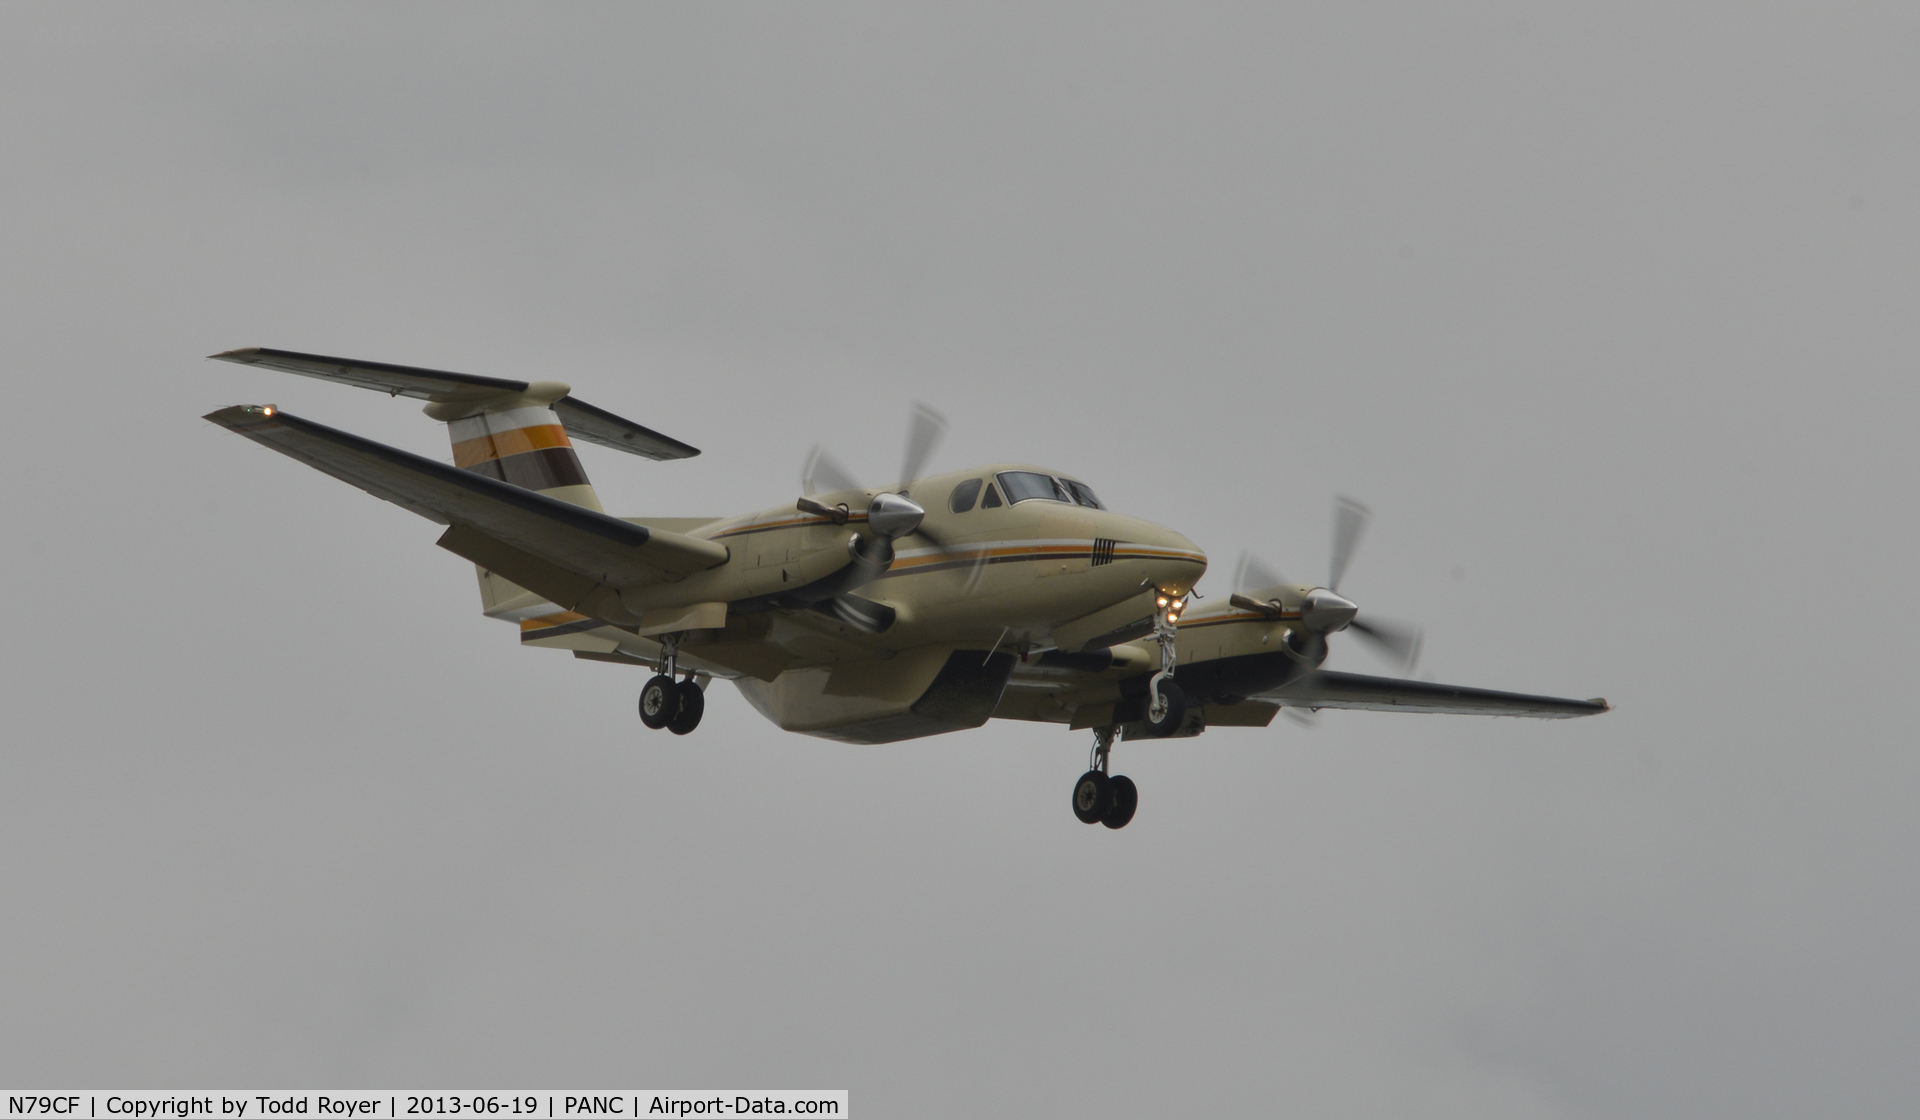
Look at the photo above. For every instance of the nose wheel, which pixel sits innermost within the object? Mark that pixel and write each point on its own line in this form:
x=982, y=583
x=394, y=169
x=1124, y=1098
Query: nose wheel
x=1099, y=797
x=665, y=702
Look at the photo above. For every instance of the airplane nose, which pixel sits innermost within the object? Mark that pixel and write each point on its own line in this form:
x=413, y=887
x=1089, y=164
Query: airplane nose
x=1178, y=565
x=1326, y=612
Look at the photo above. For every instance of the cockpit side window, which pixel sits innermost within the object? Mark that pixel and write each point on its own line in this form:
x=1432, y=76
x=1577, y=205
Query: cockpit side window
x=1025, y=486
x=992, y=500
x=1083, y=494
x=964, y=495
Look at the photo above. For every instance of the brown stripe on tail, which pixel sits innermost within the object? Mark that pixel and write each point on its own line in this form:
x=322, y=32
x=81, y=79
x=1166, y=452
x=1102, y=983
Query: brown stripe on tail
x=544, y=469
x=526, y=447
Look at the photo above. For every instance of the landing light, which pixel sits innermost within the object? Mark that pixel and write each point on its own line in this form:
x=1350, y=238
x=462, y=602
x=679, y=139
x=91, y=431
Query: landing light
x=269, y=410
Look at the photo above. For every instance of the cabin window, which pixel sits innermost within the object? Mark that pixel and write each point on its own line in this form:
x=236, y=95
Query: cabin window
x=1082, y=494
x=1025, y=486
x=964, y=495
x=992, y=500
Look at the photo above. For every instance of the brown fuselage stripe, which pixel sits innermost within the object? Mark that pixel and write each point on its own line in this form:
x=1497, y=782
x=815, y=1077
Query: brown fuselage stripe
x=513, y=441
x=1014, y=556
x=543, y=469
x=964, y=554
x=788, y=524
x=1242, y=616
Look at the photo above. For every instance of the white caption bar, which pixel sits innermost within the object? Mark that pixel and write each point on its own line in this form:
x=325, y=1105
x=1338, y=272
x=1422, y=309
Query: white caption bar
x=349, y=1104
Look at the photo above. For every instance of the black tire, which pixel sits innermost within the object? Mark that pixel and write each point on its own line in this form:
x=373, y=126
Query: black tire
x=1123, y=797
x=1171, y=717
x=659, y=702
x=693, y=704
x=1091, y=795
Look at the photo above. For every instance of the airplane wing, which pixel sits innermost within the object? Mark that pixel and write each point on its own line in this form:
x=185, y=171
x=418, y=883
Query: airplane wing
x=1386, y=694
x=582, y=420
x=605, y=550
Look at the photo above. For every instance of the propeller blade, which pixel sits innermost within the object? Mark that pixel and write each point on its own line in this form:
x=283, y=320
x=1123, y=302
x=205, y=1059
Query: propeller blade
x=823, y=473
x=1397, y=640
x=924, y=432
x=859, y=613
x=1253, y=575
x=1349, y=520
x=969, y=575
x=974, y=573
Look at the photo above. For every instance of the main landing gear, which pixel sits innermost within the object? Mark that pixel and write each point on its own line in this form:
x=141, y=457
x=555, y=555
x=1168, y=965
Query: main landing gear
x=1098, y=796
x=666, y=702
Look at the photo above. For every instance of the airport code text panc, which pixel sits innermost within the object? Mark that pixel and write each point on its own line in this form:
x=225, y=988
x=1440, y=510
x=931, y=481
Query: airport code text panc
x=416, y=1104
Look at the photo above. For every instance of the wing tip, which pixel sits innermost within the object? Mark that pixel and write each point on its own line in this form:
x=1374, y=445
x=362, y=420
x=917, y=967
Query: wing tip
x=1602, y=701
x=244, y=417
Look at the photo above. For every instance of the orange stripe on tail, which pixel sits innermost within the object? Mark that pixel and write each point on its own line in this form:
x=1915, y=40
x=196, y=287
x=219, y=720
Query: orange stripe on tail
x=513, y=441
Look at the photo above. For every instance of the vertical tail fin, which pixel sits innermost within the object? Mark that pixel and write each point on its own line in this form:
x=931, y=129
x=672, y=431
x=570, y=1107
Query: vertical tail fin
x=518, y=439
x=525, y=446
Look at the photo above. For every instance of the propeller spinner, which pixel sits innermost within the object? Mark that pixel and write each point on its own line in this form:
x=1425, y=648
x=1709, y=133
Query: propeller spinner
x=890, y=515
x=1323, y=610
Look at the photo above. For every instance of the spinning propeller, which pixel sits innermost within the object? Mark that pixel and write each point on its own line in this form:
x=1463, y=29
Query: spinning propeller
x=891, y=515
x=1323, y=610
x=925, y=429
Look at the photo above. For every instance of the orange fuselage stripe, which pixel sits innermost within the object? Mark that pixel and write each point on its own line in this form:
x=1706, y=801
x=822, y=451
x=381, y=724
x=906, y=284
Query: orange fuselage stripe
x=546, y=621
x=787, y=524
x=513, y=441
x=964, y=553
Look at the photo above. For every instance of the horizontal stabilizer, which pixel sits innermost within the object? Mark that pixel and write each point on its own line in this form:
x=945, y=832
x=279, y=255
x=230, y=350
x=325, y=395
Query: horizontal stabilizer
x=582, y=420
x=603, y=549
x=1386, y=694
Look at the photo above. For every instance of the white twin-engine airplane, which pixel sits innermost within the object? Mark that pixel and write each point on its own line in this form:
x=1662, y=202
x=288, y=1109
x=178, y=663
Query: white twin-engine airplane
x=871, y=616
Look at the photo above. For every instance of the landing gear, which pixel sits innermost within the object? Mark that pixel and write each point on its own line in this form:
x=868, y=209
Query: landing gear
x=1123, y=797
x=1090, y=796
x=665, y=702
x=1166, y=702
x=1097, y=796
x=1165, y=711
x=659, y=701
x=693, y=704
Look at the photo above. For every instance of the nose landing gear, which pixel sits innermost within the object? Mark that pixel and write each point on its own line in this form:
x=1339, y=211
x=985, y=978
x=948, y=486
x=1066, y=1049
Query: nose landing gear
x=1098, y=796
x=665, y=702
x=1166, y=702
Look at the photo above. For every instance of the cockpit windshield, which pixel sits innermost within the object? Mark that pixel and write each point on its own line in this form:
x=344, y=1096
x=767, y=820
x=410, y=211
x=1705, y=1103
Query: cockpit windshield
x=1023, y=486
x=1083, y=494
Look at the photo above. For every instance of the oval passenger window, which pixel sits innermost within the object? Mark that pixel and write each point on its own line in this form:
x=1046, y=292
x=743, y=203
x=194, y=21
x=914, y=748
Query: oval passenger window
x=964, y=496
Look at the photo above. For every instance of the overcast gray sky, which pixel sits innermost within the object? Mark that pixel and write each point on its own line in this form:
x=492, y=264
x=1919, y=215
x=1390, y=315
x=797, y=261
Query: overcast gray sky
x=1608, y=311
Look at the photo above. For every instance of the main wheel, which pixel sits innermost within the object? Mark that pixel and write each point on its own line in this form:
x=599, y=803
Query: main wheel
x=659, y=701
x=1123, y=797
x=1091, y=794
x=1172, y=711
x=693, y=704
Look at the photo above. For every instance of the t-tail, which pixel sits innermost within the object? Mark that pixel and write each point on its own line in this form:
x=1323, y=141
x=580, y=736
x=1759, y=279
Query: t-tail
x=517, y=432
x=519, y=440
